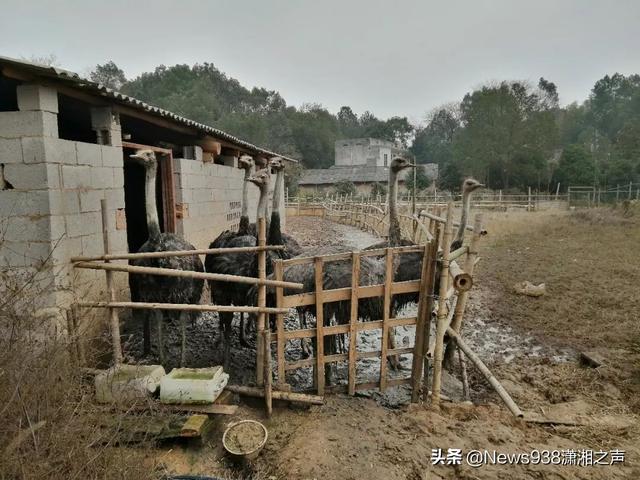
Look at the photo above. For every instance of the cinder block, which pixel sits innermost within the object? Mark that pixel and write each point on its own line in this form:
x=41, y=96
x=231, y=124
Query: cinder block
x=10, y=150
x=76, y=176
x=118, y=177
x=63, y=202
x=112, y=157
x=17, y=203
x=28, y=124
x=57, y=227
x=115, y=198
x=92, y=244
x=101, y=177
x=28, y=229
x=90, y=200
x=23, y=254
x=32, y=176
x=89, y=154
x=83, y=224
x=37, y=97
x=118, y=241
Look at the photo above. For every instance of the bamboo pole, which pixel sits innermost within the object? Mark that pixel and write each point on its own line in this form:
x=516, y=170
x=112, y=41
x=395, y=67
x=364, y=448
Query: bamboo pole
x=175, y=253
x=388, y=279
x=442, y=311
x=417, y=364
x=170, y=272
x=71, y=341
x=353, y=320
x=182, y=306
x=262, y=297
x=462, y=281
x=266, y=342
x=320, y=378
x=465, y=377
x=281, y=342
x=437, y=218
x=276, y=394
x=114, y=321
x=433, y=252
x=461, y=304
x=504, y=395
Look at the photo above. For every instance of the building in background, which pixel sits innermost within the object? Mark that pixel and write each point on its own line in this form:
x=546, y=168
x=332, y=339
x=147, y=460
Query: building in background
x=361, y=161
x=64, y=146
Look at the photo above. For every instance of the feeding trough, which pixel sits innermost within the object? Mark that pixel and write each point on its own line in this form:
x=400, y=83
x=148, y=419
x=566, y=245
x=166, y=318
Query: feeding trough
x=193, y=385
x=243, y=440
x=127, y=383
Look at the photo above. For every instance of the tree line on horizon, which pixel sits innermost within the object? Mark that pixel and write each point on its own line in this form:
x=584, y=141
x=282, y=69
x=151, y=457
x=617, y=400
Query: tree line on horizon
x=511, y=135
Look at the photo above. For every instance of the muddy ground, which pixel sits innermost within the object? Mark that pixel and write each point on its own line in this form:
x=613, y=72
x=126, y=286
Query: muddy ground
x=590, y=266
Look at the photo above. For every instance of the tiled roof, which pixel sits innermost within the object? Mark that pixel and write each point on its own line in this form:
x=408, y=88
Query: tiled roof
x=355, y=174
x=76, y=81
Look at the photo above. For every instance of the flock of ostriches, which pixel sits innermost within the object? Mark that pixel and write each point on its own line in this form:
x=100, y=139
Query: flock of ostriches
x=163, y=289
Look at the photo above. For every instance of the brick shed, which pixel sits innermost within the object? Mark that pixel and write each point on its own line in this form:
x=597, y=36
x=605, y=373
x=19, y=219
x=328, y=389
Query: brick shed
x=64, y=146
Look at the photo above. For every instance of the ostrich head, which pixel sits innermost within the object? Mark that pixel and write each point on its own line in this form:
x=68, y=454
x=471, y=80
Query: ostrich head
x=261, y=179
x=146, y=158
x=276, y=164
x=398, y=164
x=470, y=185
x=245, y=162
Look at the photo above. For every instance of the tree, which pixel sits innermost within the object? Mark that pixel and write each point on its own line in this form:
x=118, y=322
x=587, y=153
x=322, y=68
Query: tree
x=378, y=189
x=434, y=143
x=109, y=75
x=344, y=187
x=576, y=167
x=422, y=180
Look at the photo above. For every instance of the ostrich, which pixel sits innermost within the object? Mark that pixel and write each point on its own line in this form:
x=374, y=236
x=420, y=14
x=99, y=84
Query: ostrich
x=158, y=288
x=276, y=237
x=468, y=187
x=244, y=264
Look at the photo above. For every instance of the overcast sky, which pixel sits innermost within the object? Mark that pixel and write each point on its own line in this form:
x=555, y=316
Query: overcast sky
x=393, y=58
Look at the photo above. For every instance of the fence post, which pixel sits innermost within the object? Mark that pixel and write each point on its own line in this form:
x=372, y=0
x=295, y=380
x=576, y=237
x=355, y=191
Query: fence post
x=262, y=296
x=617, y=193
x=442, y=309
x=461, y=303
x=529, y=200
x=630, y=186
x=557, y=191
x=388, y=279
x=320, y=378
x=353, y=320
x=266, y=343
x=114, y=321
x=280, y=342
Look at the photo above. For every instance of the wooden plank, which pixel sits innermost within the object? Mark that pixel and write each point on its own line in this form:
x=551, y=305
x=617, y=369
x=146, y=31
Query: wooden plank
x=320, y=380
x=277, y=394
x=194, y=426
x=266, y=342
x=280, y=338
x=388, y=279
x=353, y=320
x=213, y=409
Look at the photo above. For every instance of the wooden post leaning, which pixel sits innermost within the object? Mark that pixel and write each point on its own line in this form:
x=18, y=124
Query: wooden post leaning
x=262, y=300
x=461, y=304
x=114, y=321
x=281, y=342
x=320, y=378
x=442, y=309
x=353, y=320
x=433, y=258
x=266, y=343
x=388, y=279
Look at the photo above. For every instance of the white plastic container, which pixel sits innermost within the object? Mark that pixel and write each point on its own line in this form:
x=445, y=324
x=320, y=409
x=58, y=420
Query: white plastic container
x=193, y=385
x=127, y=383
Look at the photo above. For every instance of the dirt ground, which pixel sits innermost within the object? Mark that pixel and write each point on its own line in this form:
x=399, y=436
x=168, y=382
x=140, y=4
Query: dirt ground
x=590, y=266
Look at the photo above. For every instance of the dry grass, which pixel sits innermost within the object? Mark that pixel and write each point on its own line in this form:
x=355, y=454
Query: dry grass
x=49, y=427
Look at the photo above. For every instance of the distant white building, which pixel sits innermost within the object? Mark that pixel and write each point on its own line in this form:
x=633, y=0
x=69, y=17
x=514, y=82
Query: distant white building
x=362, y=161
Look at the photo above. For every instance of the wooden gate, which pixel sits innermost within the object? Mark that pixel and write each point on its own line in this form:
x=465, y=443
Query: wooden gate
x=351, y=324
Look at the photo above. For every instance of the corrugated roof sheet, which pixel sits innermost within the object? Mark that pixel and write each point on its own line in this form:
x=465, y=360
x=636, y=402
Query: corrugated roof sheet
x=82, y=83
x=355, y=174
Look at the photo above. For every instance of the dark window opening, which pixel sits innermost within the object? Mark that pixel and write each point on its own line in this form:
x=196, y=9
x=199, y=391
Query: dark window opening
x=139, y=131
x=8, y=94
x=74, y=120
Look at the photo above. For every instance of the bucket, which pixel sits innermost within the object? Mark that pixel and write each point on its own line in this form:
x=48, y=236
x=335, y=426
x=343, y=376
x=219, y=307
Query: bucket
x=243, y=440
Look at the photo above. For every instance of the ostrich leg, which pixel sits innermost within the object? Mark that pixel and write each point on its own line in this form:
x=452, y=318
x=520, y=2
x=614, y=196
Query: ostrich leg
x=244, y=326
x=225, y=321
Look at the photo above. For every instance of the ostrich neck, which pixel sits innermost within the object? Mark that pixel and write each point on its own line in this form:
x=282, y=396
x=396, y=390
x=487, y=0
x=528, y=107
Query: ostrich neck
x=245, y=193
x=277, y=191
x=262, y=202
x=394, y=222
x=466, y=203
x=153, y=226
x=243, y=227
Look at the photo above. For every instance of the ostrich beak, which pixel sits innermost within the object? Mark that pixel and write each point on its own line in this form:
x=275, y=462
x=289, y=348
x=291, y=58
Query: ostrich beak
x=135, y=156
x=412, y=165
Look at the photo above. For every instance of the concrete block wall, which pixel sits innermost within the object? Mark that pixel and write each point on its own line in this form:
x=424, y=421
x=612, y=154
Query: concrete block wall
x=211, y=197
x=50, y=199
